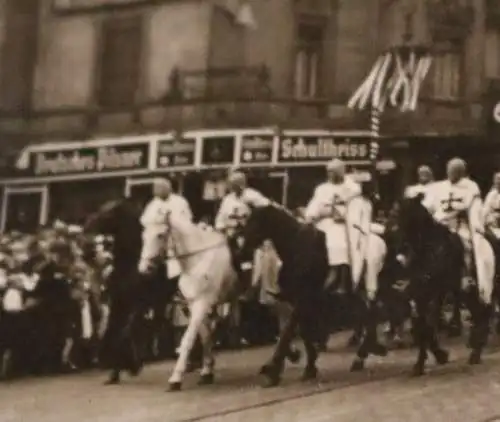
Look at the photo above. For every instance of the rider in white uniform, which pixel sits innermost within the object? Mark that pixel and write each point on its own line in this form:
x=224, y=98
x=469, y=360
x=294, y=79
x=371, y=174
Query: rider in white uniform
x=491, y=209
x=164, y=201
x=425, y=181
x=450, y=200
x=327, y=209
x=234, y=208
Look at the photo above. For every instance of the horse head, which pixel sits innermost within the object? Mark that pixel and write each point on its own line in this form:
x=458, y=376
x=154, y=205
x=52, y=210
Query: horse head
x=119, y=219
x=270, y=222
x=415, y=228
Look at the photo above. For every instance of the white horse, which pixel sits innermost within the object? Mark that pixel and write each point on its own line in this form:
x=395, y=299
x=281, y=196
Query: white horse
x=207, y=278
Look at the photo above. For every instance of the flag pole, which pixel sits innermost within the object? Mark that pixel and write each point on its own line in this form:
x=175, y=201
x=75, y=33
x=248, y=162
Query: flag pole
x=375, y=116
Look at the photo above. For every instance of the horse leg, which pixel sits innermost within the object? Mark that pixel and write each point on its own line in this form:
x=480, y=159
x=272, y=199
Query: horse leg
x=482, y=302
x=283, y=311
x=273, y=369
x=199, y=309
x=455, y=325
x=309, y=337
x=441, y=355
x=480, y=314
x=370, y=344
x=421, y=332
x=207, y=370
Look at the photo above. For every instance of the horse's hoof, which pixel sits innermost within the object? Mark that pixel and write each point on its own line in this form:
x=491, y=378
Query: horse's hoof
x=174, y=386
x=310, y=374
x=206, y=379
x=358, y=365
x=475, y=358
x=112, y=381
x=270, y=381
x=442, y=357
x=379, y=350
x=417, y=371
x=294, y=356
x=135, y=370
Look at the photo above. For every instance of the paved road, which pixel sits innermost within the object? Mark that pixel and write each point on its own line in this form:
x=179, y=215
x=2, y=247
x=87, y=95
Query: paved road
x=385, y=392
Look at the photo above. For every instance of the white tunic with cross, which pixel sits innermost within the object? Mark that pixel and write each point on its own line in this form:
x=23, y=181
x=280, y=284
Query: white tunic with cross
x=491, y=211
x=328, y=207
x=234, y=210
x=446, y=201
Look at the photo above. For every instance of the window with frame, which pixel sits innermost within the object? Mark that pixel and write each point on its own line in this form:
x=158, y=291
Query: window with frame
x=492, y=54
x=447, y=73
x=19, y=52
x=308, y=58
x=120, y=59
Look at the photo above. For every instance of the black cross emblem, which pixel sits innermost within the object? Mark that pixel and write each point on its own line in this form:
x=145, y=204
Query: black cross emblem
x=235, y=215
x=450, y=201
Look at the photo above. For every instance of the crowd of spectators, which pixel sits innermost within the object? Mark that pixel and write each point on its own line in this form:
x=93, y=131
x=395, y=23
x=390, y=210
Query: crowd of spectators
x=54, y=305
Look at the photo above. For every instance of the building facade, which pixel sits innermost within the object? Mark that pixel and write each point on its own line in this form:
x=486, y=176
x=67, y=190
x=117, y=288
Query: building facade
x=96, y=89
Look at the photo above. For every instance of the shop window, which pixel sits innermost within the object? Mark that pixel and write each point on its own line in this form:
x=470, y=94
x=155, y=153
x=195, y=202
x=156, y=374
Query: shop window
x=120, y=59
x=73, y=202
x=19, y=52
x=447, y=73
x=308, y=58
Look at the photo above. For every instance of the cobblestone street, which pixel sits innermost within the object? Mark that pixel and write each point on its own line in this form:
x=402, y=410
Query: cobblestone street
x=385, y=392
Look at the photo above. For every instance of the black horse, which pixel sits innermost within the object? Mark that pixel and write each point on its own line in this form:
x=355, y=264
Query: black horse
x=435, y=259
x=130, y=293
x=302, y=250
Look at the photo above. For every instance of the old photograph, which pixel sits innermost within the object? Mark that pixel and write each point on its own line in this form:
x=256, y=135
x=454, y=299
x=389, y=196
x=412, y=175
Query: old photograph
x=249, y=210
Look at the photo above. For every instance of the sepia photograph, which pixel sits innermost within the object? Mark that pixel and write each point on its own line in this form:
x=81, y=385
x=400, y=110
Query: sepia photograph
x=249, y=210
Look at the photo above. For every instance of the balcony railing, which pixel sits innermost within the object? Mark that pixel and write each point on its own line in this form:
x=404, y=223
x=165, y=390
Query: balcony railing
x=450, y=20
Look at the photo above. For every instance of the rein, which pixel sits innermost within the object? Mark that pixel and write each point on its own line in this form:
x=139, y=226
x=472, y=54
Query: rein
x=193, y=253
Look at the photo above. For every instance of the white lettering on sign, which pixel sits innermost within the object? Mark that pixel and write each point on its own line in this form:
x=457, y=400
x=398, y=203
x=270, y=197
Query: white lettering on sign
x=110, y=159
x=74, y=163
x=323, y=148
x=392, y=80
x=103, y=159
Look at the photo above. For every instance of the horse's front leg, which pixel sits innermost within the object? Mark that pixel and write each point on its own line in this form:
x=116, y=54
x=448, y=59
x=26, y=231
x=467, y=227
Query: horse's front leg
x=206, y=335
x=441, y=355
x=478, y=337
x=199, y=309
x=274, y=368
x=370, y=343
x=421, y=334
x=310, y=336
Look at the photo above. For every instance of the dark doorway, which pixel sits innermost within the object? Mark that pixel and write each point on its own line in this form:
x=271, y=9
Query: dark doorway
x=23, y=211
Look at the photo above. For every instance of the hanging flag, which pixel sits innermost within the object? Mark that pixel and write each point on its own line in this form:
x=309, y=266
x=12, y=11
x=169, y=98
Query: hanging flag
x=246, y=16
x=241, y=11
x=23, y=161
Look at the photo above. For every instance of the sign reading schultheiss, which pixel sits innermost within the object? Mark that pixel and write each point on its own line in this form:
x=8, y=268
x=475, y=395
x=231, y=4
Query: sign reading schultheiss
x=316, y=149
x=90, y=160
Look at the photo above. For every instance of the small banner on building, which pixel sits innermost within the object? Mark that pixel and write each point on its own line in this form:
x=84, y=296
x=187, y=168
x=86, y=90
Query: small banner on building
x=314, y=149
x=176, y=153
x=90, y=160
x=256, y=150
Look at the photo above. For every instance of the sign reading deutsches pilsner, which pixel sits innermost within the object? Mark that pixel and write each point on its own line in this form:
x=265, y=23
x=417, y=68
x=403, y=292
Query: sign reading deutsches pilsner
x=90, y=160
x=309, y=149
x=176, y=153
x=256, y=149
